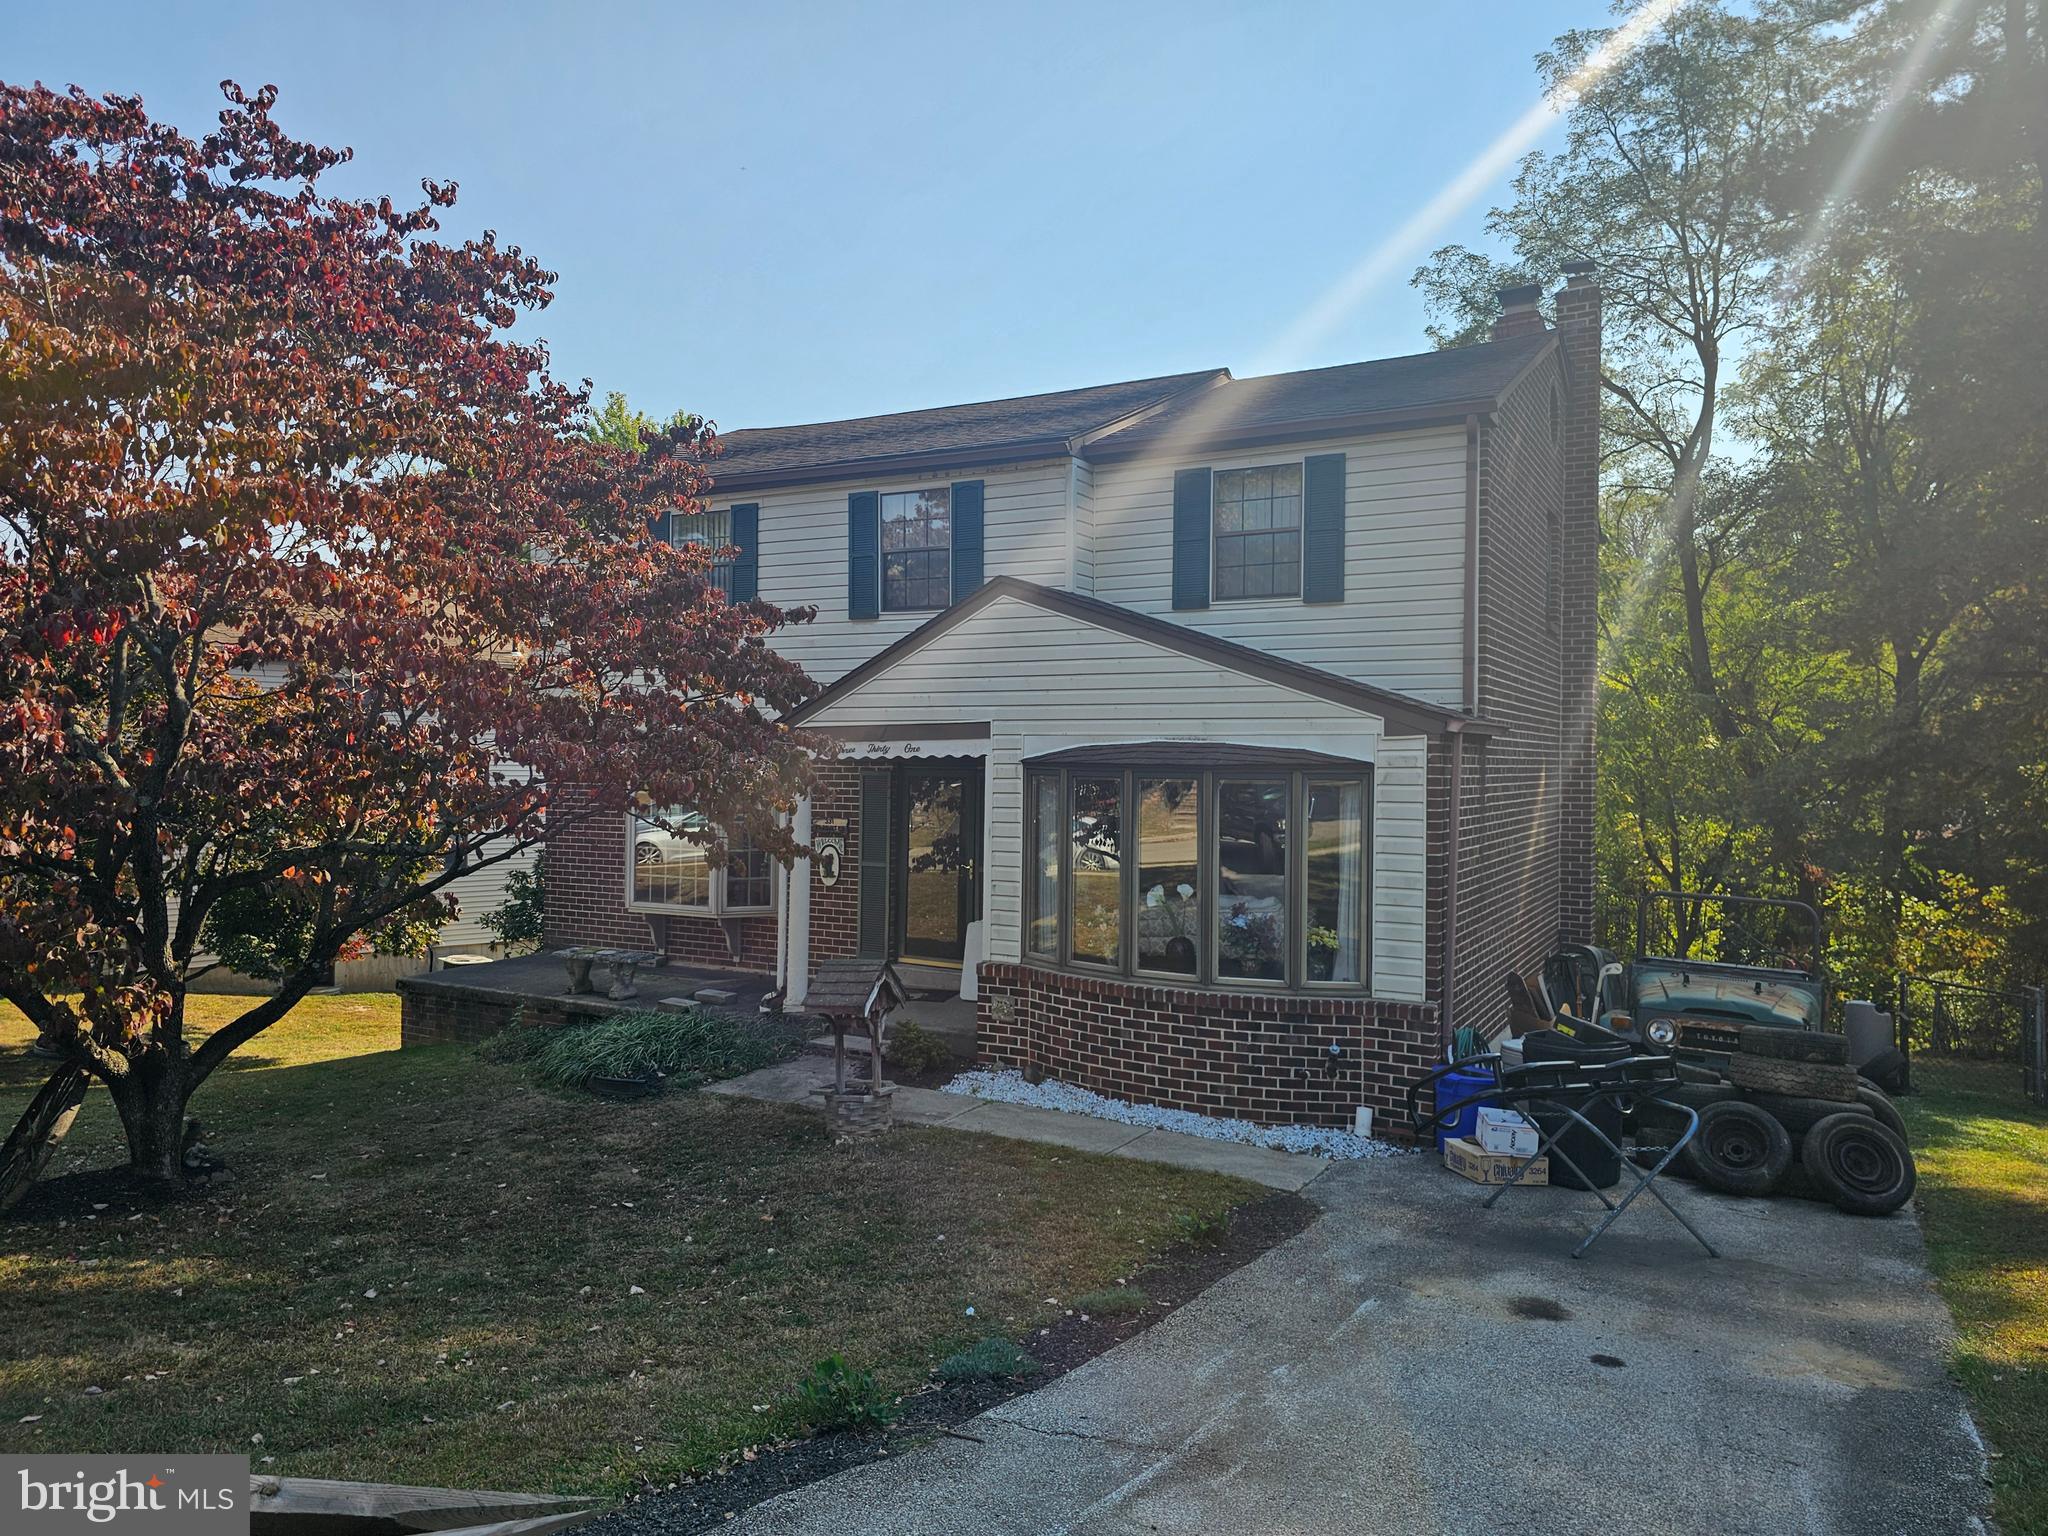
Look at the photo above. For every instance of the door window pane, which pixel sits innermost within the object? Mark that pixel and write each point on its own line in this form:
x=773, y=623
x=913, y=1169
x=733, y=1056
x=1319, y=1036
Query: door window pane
x=1169, y=914
x=1335, y=875
x=1044, y=935
x=1095, y=834
x=933, y=828
x=669, y=869
x=1251, y=877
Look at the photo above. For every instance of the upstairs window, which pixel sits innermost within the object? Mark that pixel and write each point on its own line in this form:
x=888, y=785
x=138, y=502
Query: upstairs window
x=711, y=530
x=917, y=550
x=669, y=867
x=1258, y=532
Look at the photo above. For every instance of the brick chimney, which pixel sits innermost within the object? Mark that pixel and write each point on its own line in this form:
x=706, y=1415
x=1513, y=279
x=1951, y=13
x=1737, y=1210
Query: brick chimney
x=1519, y=315
x=1578, y=329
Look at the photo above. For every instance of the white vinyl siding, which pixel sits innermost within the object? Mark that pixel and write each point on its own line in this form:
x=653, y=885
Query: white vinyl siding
x=1400, y=785
x=1400, y=625
x=1025, y=533
x=1045, y=681
x=1082, y=494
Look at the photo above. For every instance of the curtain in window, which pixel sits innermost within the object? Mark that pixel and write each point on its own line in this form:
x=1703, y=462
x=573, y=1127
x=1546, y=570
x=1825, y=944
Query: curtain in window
x=1335, y=875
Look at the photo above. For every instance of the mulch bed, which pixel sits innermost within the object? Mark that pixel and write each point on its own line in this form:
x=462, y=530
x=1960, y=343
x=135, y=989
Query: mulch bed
x=1175, y=1278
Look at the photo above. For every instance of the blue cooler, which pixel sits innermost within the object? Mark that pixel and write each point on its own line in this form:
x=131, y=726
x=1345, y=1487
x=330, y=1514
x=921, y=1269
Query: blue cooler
x=1452, y=1087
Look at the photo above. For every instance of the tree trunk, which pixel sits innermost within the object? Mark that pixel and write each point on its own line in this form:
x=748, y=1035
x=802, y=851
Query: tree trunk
x=36, y=1134
x=151, y=1097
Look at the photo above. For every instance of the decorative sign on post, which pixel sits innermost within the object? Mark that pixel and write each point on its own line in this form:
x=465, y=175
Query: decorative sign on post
x=830, y=854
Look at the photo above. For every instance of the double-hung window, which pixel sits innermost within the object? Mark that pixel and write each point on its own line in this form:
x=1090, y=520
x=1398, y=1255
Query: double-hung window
x=708, y=530
x=917, y=550
x=1257, y=516
x=1254, y=874
x=670, y=867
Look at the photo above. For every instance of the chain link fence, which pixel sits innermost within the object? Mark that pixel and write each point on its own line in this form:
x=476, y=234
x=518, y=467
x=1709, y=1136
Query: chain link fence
x=1981, y=1040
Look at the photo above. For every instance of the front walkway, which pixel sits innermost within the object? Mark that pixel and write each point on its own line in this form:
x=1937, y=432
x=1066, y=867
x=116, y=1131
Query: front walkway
x=1414, y=1364
x=795, y=1082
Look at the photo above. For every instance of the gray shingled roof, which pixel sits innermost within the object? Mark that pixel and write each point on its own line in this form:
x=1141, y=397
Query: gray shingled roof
x=1194, y=408
x=1455, y=376
x=1027, y=422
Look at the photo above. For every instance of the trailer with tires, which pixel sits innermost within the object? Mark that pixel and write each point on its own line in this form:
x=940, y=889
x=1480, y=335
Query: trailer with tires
x=1738, y=998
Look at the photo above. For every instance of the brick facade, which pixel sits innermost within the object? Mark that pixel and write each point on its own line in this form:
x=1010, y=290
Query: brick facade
x=1258, y=1058
x=1525, y=816
x=835, y=909
x=587, y=901
x=1578, y=320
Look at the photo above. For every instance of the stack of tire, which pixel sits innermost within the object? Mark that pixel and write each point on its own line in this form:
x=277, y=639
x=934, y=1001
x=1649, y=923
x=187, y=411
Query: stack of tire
x=1792, y=1111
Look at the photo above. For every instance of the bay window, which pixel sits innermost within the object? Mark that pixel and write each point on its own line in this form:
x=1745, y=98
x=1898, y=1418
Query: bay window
x=670, y=867
x=1250, y=871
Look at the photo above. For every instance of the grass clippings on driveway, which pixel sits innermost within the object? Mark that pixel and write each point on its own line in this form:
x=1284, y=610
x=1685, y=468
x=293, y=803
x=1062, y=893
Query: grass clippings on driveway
x=429, y=1270
x=1982, y=1152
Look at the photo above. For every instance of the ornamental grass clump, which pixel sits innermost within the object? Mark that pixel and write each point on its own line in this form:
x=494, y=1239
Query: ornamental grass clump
x=700, y=1046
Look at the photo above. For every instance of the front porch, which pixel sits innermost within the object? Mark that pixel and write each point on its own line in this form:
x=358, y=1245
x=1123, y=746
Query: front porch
x=472, y=1002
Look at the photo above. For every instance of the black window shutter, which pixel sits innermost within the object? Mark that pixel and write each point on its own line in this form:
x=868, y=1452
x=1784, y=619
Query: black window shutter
x=863, y=555
x=966, y=537
x=1191, y=538
x=657, y=527
x=872, y=929
x=746, y=565
x=1322, y=528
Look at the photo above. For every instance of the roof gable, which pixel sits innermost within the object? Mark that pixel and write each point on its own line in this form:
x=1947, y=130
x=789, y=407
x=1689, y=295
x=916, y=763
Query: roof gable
x=1402, y=714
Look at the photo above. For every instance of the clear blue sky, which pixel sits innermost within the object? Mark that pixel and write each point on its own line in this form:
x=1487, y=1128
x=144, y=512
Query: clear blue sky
x=776, y=213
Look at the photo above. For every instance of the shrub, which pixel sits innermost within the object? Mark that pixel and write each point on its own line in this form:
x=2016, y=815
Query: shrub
x=913, y=1049
x=836, y=1396
x=1190, y=1228
x=519, y=921
x=699, y=1046
x=1113, y=1301
x=993, y=1359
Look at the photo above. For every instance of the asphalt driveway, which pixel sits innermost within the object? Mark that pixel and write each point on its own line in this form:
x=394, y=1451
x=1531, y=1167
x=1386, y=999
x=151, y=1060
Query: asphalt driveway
x=1414, y=1364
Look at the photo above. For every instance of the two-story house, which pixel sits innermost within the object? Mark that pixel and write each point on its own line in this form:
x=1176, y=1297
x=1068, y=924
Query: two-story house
x=1227, y=739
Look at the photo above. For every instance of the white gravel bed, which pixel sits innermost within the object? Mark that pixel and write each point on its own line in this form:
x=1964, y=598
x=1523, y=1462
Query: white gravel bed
x=1009, y=1087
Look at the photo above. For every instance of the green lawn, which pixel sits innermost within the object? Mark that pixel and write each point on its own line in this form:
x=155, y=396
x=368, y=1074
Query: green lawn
x=1982, y=1151
x=428, y=1270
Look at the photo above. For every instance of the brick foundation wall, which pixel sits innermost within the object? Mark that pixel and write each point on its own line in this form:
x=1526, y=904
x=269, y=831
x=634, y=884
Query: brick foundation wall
x=587, y=901
x=1265, y=1059
x=431, y=1014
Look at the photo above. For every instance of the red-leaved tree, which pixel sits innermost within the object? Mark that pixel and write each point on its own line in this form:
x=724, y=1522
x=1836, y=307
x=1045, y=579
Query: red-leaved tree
x=310, y=584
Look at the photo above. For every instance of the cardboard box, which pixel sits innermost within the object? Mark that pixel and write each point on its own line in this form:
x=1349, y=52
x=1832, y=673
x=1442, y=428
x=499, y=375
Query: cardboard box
x=1466, y=1158
x=1504, y=1131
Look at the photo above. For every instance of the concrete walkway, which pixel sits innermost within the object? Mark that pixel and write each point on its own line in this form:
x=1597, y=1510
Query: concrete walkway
x=795, y=1082
x=1413, y=1364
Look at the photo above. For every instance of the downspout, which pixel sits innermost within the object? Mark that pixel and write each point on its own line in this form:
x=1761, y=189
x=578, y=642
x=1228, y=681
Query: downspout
x=799, y=963
x=782, y=927
x=1455, y=735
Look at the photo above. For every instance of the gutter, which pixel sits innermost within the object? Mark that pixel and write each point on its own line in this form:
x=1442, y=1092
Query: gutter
x=1471, y=625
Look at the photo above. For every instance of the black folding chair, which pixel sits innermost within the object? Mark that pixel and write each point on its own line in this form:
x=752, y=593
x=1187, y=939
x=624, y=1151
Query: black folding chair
x=1563, y=1092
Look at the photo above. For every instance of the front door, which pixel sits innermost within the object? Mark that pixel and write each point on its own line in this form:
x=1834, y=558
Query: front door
x=939, y=811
